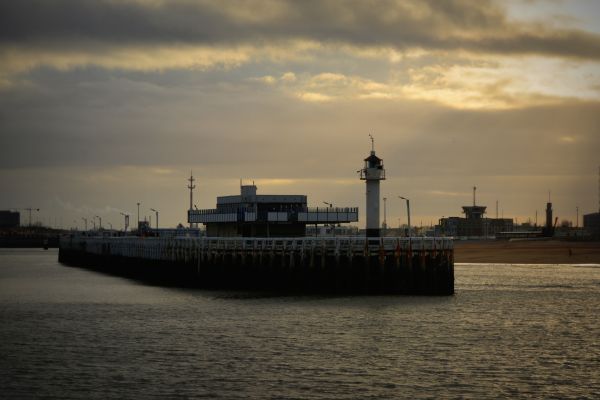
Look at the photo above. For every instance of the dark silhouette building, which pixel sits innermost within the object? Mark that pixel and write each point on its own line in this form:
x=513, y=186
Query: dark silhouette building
x=10, y=219
x=591, y=223
x=548, y=229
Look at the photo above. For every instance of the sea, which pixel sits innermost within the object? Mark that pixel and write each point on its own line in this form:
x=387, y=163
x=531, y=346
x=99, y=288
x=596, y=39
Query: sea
x=510, y=331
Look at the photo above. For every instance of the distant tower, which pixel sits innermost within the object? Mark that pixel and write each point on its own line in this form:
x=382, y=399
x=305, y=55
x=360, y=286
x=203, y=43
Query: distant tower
x=373, y=172
x=191, y=186
x=548, y=230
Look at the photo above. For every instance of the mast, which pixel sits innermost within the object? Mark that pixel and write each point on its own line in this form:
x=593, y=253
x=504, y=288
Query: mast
x=191, y=186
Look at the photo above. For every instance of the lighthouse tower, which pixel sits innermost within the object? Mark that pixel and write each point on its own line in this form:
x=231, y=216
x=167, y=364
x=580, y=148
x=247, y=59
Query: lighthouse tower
x=373, y=172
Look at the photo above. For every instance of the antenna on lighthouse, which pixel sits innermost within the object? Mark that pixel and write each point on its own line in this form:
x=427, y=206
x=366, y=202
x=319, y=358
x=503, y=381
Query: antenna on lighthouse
x=372, y=143
x=474, y=189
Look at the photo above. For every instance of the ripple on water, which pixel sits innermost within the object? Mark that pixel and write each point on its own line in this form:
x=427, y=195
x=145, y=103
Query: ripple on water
x=511, y=331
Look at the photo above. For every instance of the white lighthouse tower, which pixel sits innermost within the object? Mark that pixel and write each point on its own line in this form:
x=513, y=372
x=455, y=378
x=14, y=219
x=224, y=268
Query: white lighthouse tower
x=373, y=172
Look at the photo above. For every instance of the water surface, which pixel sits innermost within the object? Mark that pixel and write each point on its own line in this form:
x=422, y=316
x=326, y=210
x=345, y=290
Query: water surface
x=510, y=331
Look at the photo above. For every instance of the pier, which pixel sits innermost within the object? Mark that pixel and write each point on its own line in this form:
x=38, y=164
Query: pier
x=258, y=242
x=345, y=265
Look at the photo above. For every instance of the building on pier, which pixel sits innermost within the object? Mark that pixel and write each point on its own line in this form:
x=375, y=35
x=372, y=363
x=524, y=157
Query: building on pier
x=252, y=215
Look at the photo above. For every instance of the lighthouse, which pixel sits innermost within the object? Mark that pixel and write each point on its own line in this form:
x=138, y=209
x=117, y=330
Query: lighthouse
x=372, y=173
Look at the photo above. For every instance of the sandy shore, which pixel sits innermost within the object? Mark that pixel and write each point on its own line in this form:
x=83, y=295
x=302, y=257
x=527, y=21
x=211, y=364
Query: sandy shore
x=528, y=252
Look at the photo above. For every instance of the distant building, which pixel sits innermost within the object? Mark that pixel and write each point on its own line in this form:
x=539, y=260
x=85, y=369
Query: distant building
x=144, y=226
x=457, y=226
x=549, y=228
x=10, y=219
x=251, y=215
x=474, y=223
x=591, y=223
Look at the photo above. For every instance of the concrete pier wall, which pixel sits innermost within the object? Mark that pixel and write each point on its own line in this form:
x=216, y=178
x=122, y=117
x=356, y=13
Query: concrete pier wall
x=355, y=265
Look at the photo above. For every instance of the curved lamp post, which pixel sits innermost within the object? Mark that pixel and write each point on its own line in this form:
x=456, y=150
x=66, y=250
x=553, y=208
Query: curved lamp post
x=408, y=212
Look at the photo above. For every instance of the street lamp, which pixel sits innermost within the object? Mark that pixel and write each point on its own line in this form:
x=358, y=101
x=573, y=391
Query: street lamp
x=408, y=212
x=152, y=209
x=99, y=222
x=85, y=221
x=384, y=225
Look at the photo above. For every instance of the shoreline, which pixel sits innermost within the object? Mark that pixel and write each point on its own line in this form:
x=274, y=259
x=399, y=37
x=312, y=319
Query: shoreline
x=527, y=252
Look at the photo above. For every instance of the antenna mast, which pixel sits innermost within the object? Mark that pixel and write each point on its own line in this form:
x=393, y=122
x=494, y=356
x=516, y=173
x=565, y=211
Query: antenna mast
x=191, y=186
x=474, y=189
x=372, y=143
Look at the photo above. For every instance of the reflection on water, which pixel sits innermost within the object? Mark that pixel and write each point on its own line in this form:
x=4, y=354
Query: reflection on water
x=511, y=330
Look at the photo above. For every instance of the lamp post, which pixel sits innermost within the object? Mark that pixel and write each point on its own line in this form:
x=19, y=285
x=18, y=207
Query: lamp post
x=152, y=209
x=384, y=225
x=99, y=222
x=407, y=212
x=85, y=222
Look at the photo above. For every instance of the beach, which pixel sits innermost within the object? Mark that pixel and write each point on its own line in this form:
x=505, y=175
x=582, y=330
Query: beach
x=527, y=252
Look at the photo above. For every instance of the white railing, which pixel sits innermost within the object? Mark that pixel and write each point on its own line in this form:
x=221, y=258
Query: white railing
x=177, y=248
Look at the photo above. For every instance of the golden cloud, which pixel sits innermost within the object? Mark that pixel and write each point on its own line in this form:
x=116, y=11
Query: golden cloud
x=459, y=81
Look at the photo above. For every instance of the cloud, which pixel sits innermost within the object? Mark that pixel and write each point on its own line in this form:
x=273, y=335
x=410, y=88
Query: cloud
x=444, y=193
x=313, y=97
x=113, y=102
x=86, y=209
x=464, y=83
x=566, y=139
x=461, y=53
x=74, y=28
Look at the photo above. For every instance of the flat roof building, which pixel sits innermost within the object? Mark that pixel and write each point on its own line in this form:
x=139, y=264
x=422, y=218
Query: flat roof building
x=252, y=215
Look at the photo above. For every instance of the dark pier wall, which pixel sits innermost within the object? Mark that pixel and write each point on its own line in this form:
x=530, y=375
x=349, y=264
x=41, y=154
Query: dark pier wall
x=417, y=272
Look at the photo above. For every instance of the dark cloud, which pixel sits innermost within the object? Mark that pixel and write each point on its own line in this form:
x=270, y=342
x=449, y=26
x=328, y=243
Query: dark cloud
x=95, y=119
x=473, y=25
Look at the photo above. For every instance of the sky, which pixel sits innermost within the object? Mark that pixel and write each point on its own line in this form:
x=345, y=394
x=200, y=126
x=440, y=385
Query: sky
x=107, y=103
